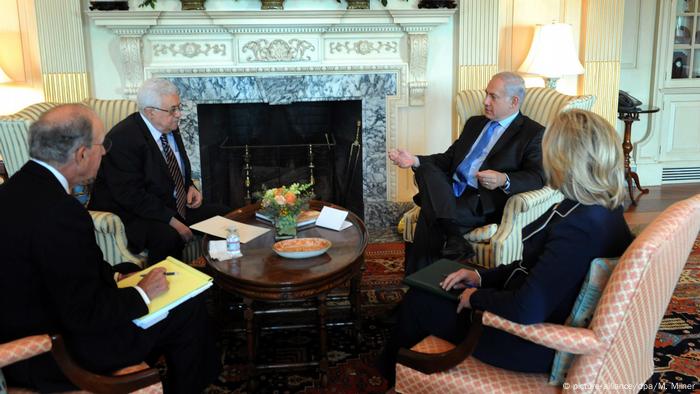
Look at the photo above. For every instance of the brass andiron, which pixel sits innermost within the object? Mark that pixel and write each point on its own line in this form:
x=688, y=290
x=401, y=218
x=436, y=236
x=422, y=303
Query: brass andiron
x=247, y=168
x=312, y=180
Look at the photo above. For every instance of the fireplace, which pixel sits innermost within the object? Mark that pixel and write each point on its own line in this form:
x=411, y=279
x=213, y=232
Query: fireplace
x=247, y=147
x=379, y=57
x=366, y=93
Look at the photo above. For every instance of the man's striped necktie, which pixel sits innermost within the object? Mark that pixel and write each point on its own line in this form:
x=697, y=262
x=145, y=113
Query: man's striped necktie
x=176, y=175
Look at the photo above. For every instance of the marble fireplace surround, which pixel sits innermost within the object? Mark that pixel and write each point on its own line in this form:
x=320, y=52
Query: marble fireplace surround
x=377, y=56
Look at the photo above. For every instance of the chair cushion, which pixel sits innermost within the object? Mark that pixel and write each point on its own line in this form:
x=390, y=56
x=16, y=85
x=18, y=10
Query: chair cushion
x=582, y=312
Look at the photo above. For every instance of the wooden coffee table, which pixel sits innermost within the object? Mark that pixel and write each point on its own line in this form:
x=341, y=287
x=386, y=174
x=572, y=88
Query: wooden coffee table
x=264, y=279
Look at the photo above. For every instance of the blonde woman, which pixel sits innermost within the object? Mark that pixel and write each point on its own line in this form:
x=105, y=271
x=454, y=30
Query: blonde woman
x=582, y=158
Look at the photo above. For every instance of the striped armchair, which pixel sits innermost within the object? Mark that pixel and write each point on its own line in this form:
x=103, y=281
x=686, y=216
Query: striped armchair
x=496, y=244
x=613, y=354
x=109, y=229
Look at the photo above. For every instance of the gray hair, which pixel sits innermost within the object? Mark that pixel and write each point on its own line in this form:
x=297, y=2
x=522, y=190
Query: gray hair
x=54, y=141
x=514, y=85
x=152, y=90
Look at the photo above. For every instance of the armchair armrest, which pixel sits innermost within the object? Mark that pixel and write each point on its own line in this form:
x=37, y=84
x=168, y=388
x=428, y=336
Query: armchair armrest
x=23, y=348
x=520, y=210
x=429, y=363
x=92, y=382
x=111, y=236
x=554, y=336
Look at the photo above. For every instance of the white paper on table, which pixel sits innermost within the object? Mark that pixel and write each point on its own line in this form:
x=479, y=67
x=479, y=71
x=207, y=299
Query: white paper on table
x=333, y=219
x=218, y=226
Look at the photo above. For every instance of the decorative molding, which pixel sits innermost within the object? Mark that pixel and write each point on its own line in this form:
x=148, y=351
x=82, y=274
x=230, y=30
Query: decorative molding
x=363, y=47
x=278, y=50
x=418, y=52
x=133, y=28
x=130, y=50
x=66, y=87
x=189, y=49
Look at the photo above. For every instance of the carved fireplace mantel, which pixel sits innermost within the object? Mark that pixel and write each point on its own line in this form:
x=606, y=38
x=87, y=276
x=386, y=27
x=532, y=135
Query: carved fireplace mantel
x=245, y=42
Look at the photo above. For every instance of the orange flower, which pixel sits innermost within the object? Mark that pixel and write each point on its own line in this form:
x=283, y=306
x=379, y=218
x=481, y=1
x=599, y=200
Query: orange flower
x=279, y=191
x=291, y=198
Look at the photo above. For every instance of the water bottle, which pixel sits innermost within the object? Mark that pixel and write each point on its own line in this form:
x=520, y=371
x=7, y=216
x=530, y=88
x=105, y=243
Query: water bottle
x=233, y=242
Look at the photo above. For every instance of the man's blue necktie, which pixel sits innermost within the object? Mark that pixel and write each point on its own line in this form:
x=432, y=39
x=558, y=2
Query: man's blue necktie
x=462, y=177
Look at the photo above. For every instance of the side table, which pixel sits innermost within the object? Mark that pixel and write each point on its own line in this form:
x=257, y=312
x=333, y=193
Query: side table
x=630, y=116
x=265, y=280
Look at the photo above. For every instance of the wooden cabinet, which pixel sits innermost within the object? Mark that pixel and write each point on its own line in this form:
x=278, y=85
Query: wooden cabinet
x=685, y=59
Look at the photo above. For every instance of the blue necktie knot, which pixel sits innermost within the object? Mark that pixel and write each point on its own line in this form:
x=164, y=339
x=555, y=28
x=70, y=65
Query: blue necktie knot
x=463, y=176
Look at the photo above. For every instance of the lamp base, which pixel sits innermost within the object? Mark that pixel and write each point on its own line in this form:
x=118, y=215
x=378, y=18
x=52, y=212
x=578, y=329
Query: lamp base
x=551, y=82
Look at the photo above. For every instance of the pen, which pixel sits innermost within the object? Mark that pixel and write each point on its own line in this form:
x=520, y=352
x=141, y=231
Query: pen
x=167, y=273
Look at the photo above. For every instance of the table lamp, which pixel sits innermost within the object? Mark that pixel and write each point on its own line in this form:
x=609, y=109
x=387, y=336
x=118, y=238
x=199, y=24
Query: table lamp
x=3, y=77
x=552, y=54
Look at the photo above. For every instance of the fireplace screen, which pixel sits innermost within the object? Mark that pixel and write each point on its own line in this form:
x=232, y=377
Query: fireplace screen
x=248, y=147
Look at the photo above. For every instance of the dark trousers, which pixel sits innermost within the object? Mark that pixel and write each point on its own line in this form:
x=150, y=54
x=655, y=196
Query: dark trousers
x=160, y=239
x=437, y=201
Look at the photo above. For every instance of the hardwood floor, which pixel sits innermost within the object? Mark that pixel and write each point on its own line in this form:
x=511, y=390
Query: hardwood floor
x=653, y=203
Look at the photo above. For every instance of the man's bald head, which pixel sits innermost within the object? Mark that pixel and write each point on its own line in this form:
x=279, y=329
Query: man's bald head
x=60, y=131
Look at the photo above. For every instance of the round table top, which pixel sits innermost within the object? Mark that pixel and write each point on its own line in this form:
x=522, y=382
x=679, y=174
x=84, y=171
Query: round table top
x=263, y=275
x=642, y=109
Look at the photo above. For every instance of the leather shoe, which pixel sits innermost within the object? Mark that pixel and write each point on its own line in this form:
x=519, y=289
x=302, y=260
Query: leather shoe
x=456, y=247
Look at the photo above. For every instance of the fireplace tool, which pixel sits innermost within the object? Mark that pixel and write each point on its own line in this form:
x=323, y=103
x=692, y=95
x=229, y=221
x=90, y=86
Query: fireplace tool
x=312, y=180
x=351, y=165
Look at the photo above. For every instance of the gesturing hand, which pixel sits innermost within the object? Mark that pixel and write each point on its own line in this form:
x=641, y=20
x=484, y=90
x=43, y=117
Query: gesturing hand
x=402, y=158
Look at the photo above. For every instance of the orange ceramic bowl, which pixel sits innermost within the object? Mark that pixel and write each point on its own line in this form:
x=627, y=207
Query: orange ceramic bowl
x=301, y=248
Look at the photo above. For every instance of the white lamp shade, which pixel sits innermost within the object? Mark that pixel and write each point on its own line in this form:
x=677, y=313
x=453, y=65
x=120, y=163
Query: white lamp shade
x=3, y=77
x=552, y=53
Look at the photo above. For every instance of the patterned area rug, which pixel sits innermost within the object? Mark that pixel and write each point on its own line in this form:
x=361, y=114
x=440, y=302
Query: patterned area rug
x=351, y=368
x=676, y=352
x=677, y=348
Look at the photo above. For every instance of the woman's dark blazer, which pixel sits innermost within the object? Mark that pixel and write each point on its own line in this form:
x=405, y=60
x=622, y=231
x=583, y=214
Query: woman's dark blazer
x=557, y=257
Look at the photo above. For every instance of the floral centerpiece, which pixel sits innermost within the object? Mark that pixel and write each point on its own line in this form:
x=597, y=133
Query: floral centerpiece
x=283, y=204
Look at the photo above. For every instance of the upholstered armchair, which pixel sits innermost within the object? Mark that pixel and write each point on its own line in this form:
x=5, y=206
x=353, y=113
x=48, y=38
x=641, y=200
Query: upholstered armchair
x=109, y=229
x=496, y=244
x=134, y=379
x=615, y=353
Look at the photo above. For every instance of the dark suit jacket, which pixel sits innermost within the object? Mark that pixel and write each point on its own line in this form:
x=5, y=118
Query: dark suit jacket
x=558, y=258
x=53, y=278
x=517, y=153
x=133, y=181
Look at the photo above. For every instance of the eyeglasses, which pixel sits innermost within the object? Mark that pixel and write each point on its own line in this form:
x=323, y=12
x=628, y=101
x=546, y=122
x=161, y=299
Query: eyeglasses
x=171, y=111
x=106, y=144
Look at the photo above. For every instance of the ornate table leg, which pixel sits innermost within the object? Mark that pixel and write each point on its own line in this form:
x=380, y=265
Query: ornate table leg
x=249, y=315
x=323, y=361
x=630, y=175
x=356, y=301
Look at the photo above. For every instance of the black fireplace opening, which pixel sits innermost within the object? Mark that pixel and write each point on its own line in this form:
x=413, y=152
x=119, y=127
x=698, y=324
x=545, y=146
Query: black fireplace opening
x=245, y=148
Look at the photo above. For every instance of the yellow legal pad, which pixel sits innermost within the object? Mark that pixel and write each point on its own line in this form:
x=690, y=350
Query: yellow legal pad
x=185, y=283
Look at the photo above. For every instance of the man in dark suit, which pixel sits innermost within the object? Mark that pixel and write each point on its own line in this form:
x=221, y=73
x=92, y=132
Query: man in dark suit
x=146, y=179
x=496, y=156
x=53, y=278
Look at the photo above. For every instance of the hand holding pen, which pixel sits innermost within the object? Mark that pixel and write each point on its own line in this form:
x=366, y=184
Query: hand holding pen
x=154, y=283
